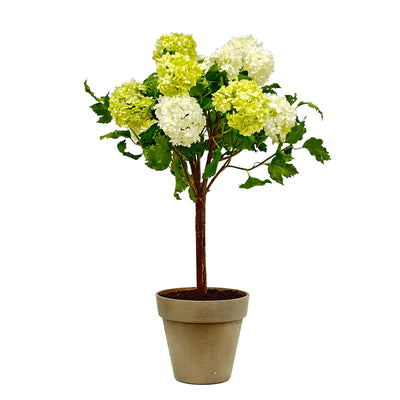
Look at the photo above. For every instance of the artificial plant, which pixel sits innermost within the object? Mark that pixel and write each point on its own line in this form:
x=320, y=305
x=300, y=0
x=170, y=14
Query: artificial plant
x=195, y=114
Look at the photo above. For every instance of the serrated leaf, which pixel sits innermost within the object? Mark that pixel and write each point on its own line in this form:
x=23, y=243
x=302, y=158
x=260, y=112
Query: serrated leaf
x=291, y=99
x=234, y=140
x=122, y=148
x=192, y=196
x=88, y=90
x=191, y=151
x=296, y=133
x=270, y=88
x=102, y=110
x=116, y=134
x=216, y=78
x=252, y=182
x=244, y=75
x=260, y=138
x=314, y=146
x=200, y=88
x=158, y=155
x=206, y=103
x=147, y=138
x=151, y=83
x=180, y=182
x=279, y=167
x=311, y=105
x=211, y=169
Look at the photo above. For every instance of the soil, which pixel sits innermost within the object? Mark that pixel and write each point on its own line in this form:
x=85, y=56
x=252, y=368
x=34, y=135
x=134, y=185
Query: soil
x=212, y=294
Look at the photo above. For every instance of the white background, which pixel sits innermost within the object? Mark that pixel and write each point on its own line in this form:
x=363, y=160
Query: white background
x=87, y=236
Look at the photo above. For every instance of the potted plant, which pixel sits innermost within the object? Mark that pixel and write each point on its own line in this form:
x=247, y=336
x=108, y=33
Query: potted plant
x=194, y=116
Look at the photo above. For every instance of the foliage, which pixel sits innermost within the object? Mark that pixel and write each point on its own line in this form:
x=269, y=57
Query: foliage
x=196, y=114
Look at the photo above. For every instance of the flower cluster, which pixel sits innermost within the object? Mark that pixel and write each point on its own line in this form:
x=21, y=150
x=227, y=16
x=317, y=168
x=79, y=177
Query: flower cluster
x=281, y=117
x=244, y=53
x=177, y=73
x=131, y=108
x=245, y=105
x=208, y=108
x=175, y=43
x=181, y=118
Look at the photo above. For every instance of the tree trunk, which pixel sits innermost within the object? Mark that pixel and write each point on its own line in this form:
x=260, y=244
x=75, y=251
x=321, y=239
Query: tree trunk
x=201, y=244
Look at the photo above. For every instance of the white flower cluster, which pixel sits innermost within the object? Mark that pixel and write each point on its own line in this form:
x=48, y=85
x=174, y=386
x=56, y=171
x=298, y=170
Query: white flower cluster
x=181, y=118
x=243, y=53
x=281, y=119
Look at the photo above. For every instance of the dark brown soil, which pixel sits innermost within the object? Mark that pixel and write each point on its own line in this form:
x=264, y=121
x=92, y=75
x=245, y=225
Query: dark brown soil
x=212, y=294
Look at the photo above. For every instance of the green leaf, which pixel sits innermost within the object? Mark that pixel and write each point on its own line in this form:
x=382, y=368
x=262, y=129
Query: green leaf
x=151, y=83
x=270, y=88
x=200, y=88
x=311, y=105
x=211, y=169
x=180, y=182
x=88, y=90
x=314, y=146
x=216, y=79
x=206, y=103
x=296, y=133
x=116, y=134
x=122, y=148
x=192, y=150
x=158, y=155
x=279, y=168
x=291, y=99
x=251, y=182
x=234, y=140
x=244, y=75
x=147, y=138
x=260, y=138
x=192, y=196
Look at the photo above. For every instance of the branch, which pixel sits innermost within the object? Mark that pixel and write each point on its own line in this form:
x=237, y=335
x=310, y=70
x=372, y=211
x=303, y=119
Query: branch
x=226, y=164
x=256, y=165
x=183, y=164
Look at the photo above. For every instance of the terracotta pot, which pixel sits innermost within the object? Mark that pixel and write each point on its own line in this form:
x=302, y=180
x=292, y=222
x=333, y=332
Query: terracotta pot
x=202, y=336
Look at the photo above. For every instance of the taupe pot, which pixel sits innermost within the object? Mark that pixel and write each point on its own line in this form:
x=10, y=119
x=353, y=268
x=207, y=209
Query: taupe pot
x=202, y=336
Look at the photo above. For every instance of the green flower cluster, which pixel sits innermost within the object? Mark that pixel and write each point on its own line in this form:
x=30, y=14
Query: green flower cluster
x=177, y=73
x=131, y=108
x=175, y=43
x=245, y=105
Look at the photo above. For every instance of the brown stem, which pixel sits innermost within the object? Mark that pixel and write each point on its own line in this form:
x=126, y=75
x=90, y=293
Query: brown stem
x=201, y=274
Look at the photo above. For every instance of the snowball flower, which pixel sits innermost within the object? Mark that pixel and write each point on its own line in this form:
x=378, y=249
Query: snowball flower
x=181, y=118
x=131, y=108
x=245, y=53
x=245, y=105
x=175, y=43
x=281, y=117
x=177, y=73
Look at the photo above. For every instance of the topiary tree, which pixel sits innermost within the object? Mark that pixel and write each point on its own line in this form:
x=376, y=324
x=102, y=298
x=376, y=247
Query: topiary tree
x=195, y=114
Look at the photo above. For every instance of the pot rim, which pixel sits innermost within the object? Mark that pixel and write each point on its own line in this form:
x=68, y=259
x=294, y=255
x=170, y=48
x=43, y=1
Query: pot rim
x=203, y=311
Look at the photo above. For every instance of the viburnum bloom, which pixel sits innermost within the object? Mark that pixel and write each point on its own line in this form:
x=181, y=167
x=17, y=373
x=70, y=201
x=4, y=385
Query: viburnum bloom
x=175, y=43
x=245, y=105
x=177, y=73
x=244, y=53
x=131, y=108
x=181, y=118
x=281, y=117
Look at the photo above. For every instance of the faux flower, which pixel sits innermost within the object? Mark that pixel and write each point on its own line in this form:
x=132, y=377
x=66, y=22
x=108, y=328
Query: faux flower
x=130, y=108
x=245, y=105
x=175, y=43
x=177, y=73
x=245, y=53
x=181, y=118
x=281, y=117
